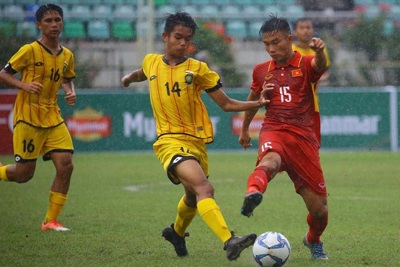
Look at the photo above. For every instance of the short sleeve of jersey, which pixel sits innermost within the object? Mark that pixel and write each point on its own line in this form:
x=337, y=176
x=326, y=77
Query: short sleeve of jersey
x=69, y=65
x=258, y=76
x=208, y=79
x=147, y=61
x=19, y=60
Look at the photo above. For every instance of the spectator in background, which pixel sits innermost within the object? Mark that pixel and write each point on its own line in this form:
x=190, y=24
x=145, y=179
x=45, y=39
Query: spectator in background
x=38, y=126
x=303, y=30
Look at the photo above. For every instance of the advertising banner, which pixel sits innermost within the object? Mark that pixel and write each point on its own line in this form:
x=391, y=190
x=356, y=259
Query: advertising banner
x=122, y=120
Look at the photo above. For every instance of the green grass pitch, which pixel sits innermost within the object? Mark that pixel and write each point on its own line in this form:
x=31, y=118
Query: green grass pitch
x=119, y=203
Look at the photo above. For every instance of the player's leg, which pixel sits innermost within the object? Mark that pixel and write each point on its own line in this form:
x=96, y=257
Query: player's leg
x=317, y=220
x=194, y=180
x=27, y=143
x=268, y=165
x=58, y=148
x=306, y=173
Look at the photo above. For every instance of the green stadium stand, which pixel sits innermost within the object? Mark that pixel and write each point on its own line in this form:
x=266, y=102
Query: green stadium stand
x=123, y=30
x=7, y=29
x=74, y=30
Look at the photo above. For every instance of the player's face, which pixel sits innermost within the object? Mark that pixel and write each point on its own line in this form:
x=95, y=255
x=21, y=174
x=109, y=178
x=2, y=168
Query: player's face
x=304, y=31
x=51, y=24
x=178, y=41
x=279, y=46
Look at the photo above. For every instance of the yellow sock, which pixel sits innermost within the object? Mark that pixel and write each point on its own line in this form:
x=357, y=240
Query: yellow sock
x=212, y=216
x=3, y=173
x=184, y=217
x=56, y=203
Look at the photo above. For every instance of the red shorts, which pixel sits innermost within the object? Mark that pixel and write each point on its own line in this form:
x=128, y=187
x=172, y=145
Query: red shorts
x=300, y=159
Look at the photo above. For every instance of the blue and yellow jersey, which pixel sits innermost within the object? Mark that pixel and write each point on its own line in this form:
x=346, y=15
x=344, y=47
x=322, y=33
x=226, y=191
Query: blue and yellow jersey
x=175, y=95
x=37, y=64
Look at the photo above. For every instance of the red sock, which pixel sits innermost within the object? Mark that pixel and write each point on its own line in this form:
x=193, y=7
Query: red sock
x=258, y=180
x=316, y=228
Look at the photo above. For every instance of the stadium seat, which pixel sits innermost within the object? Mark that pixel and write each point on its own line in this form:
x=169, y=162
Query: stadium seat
x=24, y=2
x=102, y=12
x=163, y=10
x=276, y=10
x=70, y=2
x=42, y=2
x=27, y=29
x=242, y=2
x=236, y=29
x=231, y=10
x=191, y=9
x=124, y=12
x=254, y=29
x=158, y=3
x=79, y=13
x=130, y=2
x=179, y=2
x=74, y=30
x=30, y=11
x=294, y=12
x=13, y=13
x=98, y=29
x=252, y=10
x=7, y=29
x=123, y=30
x=7, y=2
x=90, y=2
x=113, y=2
x=203, y=2
x=212, y=11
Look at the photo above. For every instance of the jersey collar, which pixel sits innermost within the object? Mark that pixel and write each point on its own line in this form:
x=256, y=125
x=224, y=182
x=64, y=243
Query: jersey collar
x=295, y=62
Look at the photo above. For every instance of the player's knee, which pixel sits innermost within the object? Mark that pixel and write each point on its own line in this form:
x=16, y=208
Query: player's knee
x=205, y=189
x=24, y=177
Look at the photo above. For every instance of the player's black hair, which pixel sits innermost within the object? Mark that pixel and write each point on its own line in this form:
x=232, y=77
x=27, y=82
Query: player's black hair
x=275, y=24
x=48, y=7
x=179, y=18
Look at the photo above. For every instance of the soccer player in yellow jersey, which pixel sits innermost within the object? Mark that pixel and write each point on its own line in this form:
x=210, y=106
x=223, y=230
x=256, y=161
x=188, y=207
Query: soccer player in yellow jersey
x=39, y=129
x=184, y=128
x=303, y=30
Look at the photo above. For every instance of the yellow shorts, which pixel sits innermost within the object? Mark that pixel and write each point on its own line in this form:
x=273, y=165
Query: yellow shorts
x=30, y=142
x=172, y=151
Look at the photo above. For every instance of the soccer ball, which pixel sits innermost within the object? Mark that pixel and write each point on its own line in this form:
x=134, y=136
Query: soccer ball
x=271, y=249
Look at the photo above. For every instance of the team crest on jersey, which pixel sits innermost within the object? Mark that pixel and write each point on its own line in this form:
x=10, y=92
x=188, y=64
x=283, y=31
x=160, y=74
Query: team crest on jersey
x=268, y=77
x=189, y=77
x=152, y=77
x=297, y=73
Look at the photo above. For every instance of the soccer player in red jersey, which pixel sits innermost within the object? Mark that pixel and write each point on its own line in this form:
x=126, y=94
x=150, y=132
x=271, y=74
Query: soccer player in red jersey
x=289, y=139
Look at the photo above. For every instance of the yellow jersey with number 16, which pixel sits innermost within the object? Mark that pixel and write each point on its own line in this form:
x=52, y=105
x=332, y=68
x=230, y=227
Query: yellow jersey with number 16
x=37, y=64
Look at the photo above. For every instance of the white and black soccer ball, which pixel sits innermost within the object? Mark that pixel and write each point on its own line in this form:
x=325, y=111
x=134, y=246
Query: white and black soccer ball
x=271, y=249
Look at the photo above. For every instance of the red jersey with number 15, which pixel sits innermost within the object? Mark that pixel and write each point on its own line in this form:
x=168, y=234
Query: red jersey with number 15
x=294, y=103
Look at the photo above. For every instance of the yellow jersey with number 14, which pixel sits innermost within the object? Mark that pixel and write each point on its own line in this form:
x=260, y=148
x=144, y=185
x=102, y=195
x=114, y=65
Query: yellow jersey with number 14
x=37, y=64
x=175, y=95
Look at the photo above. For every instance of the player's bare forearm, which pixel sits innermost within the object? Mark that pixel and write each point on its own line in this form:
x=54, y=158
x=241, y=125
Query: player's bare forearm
x=319, y=62
x=69, y=89
x=135, y=76
x=9, y=80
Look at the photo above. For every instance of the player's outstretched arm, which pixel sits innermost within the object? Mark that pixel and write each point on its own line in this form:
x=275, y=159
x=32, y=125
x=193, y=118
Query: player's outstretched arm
x=135, y=76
